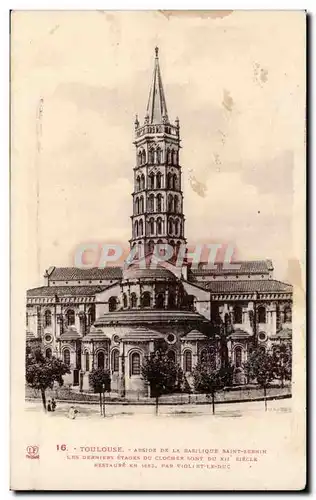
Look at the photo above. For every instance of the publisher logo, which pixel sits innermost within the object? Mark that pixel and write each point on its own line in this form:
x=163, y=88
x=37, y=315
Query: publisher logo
x=32, y=451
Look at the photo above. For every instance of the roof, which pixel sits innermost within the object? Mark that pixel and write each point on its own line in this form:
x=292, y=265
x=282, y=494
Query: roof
x=143, y=334
x=156, y=107
x=96, y=334
x=70, y=334
x=246, y=267
x=143, y=316
x=194, y=335
x=61, y=291
x=31, y=336
x=76, y=273
x=244, y=286
x=139, y=273
x=238, y=333
x=285, y=333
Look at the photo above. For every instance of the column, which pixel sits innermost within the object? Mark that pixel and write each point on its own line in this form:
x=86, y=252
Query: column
x=122, y=370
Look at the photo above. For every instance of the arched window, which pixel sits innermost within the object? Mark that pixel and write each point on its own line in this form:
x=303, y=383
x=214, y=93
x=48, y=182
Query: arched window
x=70, y=317
x=171, y=300
x=151, y=181
x=158, y=180
x=151, y=203
x=87, y=361
x=158, y=156
x=48, y=353
x=48, y=318
x=159, y=225
x=176, y=204
x=135, y=363
x=160, y=301
x=141, y=204
x=91, y=315
x=133, y=300
x=261, y=314
x=66, y=356
x=237, y=314
x=238, y=356
x=142, y=181
x=115, y=361
x=152, y=226
x=27, y=319
x=137, y=206
x=136, y=228
x=188, y=361
x=139, y=158
x=287, y=315
x=138, y=183
x=112, y=304
x=124, y=300
x=151, y=156
x=203, y=356
x=170, y=224
x=175, y=157
x=143, y=157
x=176, y=227
x=146, y=299
x=174, y=181
x=100, y=359
x=170, y=203
x=151, y=246
x=159, y=202
x=169, y=156
x=169, y=181
x=171, y=355
x=141, y=227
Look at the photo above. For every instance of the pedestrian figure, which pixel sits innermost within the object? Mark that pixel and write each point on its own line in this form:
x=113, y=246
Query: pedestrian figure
x=49, y=405
x=53, y=404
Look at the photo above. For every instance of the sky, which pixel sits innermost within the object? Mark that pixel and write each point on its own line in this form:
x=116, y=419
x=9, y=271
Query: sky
x=236, y=80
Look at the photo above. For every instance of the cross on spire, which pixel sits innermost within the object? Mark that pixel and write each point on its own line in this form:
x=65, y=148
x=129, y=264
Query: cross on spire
x=157, y=107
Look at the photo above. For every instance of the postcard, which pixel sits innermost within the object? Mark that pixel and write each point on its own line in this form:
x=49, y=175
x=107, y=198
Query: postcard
x=158, y=250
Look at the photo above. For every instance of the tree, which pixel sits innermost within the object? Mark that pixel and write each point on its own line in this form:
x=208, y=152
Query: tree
x=282, y=356
x=42, y=372
x=208, y=380
x=162, y=374
x=100, y=381
x=261, y=368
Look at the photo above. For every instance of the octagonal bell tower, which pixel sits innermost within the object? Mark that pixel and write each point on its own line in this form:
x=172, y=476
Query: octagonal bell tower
x=157, y=197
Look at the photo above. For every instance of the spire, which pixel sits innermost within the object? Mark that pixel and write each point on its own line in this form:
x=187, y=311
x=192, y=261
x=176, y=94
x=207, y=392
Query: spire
x=156, y=108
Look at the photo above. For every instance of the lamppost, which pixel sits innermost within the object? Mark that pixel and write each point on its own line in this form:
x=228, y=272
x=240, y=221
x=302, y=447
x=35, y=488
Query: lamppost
x=103, y=390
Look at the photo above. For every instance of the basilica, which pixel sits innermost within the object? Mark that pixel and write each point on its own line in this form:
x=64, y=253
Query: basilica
x=114, y=317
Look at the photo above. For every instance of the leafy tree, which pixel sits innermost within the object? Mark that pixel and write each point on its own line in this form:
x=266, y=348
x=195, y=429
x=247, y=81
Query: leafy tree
x=282, y=356
x=100, y=381
x=42, y=372
x=208, y=380
x=162, y=374
x=261, y=368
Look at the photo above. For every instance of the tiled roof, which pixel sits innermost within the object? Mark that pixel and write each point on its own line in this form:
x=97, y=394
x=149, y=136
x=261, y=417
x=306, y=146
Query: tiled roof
x=139, y=273
x=142, y=316
x=95, y=334
x=238, y=333
x=244, y=286
x=194, y=335
x=70, y=334
x=285, y=333
x=61, y=291
x=143, y=335
x=30, y=336
x=76, y=273
x=246, y=267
